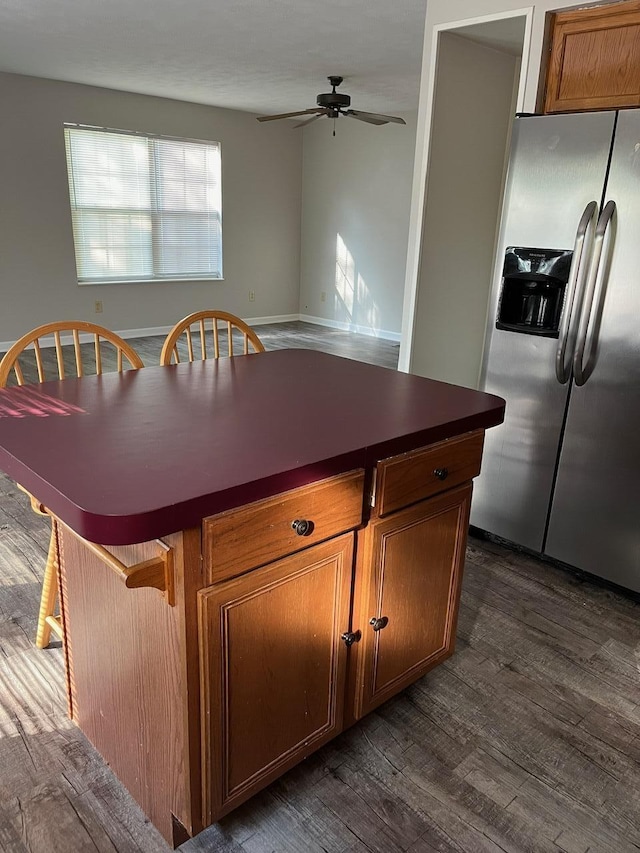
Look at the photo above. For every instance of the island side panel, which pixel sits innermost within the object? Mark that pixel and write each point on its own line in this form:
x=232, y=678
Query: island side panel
x=189, y=579
x=128, y=668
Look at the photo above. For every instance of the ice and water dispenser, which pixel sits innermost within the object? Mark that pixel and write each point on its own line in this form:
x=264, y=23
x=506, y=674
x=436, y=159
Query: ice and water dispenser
x=533, y=289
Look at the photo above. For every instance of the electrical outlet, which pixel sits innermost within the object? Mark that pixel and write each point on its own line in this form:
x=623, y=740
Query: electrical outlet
x=98, y=306
x=323, y=296
x=252, y=296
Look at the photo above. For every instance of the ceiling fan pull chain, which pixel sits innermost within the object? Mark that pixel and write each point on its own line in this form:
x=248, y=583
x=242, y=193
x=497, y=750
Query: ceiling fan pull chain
x=334, y=126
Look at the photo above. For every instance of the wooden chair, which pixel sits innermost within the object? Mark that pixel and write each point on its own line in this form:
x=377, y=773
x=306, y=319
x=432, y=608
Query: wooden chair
x=26, y=361
x=195, y=326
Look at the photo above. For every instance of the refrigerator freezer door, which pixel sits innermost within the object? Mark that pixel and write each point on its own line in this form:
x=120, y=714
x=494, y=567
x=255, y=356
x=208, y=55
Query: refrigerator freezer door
x=558, y=165
x=595, y=518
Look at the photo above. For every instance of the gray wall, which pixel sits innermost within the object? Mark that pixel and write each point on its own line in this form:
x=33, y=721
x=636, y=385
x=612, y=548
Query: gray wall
x=442, y=15
x=472, y=116
x=261, y=185
x=357, y=190
x=448, y=12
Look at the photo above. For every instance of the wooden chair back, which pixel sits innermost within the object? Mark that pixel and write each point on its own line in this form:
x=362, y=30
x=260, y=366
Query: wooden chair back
x=25, y=358
x=26, y=361
x=209, y=334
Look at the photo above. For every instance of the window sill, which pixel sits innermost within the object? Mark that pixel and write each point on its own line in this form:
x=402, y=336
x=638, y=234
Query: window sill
x=182, y=280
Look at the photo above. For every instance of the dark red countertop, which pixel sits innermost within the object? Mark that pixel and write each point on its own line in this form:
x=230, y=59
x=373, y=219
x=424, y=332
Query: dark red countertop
x=125, y=458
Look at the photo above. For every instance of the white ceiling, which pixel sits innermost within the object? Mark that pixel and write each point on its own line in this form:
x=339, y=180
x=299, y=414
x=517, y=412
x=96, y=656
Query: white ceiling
x=263, y=56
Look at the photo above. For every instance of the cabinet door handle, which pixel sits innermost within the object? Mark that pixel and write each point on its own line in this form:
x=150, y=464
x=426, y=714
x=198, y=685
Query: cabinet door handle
x=441, y=473
x=380, y=623
x=350, y=637
x=302, y=526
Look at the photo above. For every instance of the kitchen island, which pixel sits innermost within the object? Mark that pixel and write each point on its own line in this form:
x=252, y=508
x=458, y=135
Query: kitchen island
x=254, y=553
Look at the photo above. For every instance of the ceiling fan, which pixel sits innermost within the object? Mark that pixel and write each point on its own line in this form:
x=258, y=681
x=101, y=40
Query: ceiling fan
x=334, y=104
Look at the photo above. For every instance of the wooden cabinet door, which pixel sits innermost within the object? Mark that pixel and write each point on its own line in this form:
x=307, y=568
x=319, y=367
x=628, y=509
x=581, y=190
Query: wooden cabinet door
x=594, y=62
x=415, y=559
x=272, y=669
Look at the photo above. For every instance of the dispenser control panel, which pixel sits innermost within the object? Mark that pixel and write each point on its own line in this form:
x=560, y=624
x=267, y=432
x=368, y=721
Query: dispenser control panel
x=533, y=290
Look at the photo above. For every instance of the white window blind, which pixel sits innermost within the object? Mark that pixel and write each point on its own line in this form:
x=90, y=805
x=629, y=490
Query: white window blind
x=144, y=208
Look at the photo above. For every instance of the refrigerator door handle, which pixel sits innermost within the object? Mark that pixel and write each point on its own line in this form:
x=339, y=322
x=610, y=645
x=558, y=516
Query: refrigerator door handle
x=582, y=371
x=574, y=297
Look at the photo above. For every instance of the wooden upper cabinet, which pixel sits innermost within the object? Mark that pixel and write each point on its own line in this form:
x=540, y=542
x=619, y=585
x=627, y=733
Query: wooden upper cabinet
x=594, y=62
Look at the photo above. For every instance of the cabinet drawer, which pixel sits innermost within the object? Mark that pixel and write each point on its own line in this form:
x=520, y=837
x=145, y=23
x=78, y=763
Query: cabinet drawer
x=411, y=477
x=253, y=535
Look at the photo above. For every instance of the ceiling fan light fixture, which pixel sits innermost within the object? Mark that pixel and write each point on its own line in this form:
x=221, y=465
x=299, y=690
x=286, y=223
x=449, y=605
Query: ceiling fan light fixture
x=334, y=100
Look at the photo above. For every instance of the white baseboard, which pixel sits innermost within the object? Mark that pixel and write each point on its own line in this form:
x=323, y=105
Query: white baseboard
x=149, y=331
x=277, y=318
x=164, y=330
x=351, y=327
x=87, y=338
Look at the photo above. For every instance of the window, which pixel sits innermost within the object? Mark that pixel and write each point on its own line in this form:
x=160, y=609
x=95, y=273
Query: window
x=144, y=208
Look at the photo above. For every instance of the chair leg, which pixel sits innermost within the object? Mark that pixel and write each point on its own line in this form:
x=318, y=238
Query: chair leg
x=49, y=593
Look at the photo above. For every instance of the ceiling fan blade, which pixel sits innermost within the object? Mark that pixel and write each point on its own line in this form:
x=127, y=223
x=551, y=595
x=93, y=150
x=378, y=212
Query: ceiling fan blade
x=353, y=114
x=374, y=118
x=310, y=120
x=288, y=115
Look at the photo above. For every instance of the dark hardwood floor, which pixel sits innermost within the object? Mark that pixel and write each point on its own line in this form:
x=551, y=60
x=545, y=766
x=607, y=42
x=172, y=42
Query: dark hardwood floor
x=526, y=741
x=295, y=334
x=298, y=335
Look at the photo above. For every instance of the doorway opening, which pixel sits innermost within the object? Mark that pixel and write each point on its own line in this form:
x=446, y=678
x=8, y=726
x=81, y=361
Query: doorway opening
x=477, y=86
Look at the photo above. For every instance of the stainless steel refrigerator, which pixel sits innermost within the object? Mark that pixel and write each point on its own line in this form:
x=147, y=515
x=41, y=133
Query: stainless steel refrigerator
x=561, y=476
